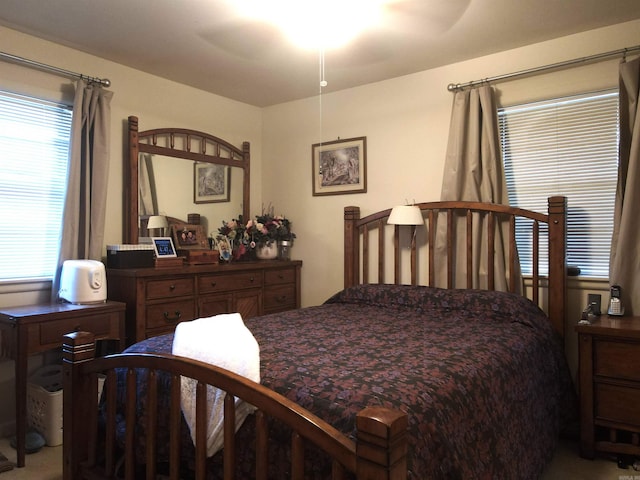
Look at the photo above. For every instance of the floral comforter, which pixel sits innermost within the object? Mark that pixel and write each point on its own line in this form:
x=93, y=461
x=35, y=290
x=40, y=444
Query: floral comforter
x=481, y=375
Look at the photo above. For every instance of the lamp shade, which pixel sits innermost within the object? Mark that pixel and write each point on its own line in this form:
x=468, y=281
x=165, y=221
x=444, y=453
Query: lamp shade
x=406, y=215
x=157, y=221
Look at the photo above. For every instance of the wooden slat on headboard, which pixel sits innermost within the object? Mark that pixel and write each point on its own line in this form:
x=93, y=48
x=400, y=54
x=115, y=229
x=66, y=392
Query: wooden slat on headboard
x=357, y=230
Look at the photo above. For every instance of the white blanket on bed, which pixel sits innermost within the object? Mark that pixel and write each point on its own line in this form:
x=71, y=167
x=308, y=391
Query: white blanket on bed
x=225, y=341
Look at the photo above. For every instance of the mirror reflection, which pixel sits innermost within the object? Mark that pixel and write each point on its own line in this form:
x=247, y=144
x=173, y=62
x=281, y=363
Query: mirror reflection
x=177, y=187
x=183, y=175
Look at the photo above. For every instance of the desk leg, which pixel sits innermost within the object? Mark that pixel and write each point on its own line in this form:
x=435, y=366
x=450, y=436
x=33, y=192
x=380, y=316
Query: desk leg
x=21, y=399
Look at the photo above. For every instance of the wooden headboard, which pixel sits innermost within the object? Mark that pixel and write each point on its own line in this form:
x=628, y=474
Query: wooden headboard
x=366, y=236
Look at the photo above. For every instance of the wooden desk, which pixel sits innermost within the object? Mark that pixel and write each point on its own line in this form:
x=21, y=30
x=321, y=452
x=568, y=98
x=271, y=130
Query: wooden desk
x=37, y=328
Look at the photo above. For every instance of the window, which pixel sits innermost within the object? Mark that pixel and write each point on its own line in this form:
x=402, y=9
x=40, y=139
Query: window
x=34, y=141
x=566, y=146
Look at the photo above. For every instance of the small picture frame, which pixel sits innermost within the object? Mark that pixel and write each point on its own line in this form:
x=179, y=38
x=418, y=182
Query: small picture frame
x=224, y=247
x=189, y=237
x=163, y=247
x=339, y=167
x=211, y=183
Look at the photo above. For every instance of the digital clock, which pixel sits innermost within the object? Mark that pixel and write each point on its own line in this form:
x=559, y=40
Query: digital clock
x=163, y=247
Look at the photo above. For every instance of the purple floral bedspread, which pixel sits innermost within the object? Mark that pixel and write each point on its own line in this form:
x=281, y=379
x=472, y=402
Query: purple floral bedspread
x=481, y=375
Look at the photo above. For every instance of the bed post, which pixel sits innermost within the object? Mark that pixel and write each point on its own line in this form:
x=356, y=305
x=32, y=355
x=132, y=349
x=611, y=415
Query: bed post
x=381, y=449
x=77, y=347
x=558, y=262
x=351, y=247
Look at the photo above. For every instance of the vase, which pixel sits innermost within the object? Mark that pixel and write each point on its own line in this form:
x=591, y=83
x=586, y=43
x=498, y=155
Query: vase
x=267, y=251
x=284, y=249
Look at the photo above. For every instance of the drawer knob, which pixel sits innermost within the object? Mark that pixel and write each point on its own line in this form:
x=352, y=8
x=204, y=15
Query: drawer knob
x=252, y=279
x=213, y=284
x=282, y=298
x=172, y=287
x=280, y=276
x=172, y=319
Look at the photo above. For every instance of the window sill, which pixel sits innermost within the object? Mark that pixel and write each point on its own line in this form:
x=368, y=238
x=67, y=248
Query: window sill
x=24, y=292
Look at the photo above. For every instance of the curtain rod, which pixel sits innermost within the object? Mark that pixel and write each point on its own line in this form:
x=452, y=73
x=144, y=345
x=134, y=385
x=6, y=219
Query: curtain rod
x=105, y=82
x=453, y=87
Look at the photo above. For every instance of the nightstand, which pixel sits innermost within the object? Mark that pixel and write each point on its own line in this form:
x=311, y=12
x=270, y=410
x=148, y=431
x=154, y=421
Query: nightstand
x=609, y=383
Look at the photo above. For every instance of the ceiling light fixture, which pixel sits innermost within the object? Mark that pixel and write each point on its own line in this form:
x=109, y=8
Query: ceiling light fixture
x=325, y=25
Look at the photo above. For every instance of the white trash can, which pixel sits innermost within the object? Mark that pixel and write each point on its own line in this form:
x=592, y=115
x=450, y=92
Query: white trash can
x=44, y=403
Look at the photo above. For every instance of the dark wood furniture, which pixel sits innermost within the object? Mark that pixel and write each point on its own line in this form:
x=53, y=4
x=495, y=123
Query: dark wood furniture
x=458, y=221
x=609, y=384
x=31, y=329
x=363, y=254
x=380, y=453
x=158, y=298
x=191, y=146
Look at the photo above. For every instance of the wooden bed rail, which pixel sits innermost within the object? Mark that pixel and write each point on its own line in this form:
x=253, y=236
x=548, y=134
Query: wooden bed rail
x=358, y=244
x=379, y=452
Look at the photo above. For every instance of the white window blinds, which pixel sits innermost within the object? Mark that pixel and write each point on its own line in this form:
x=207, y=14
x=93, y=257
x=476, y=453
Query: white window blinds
x=34, y=150
x=566, y=146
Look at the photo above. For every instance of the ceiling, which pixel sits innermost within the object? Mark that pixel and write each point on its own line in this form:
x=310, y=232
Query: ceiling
x=204, y=44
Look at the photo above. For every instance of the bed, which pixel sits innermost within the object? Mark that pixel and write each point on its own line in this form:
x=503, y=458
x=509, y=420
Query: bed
x=383, y=381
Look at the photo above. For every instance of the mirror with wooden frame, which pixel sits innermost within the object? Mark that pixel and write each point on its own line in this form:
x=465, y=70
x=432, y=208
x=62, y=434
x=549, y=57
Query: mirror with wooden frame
x=177, y=172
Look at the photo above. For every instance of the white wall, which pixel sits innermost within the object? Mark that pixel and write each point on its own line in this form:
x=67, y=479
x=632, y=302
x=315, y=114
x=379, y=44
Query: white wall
x=405, y=121
x=155, y=101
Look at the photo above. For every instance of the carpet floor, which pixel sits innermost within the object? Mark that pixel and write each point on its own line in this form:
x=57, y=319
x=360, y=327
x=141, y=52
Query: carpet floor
x=566, y=465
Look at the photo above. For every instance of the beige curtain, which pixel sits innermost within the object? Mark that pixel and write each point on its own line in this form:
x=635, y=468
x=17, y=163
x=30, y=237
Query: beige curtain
x=474, y=172
x=624, y=264
x=84, y=212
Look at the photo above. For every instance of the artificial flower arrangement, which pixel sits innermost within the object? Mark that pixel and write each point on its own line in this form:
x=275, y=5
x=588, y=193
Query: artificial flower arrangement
x=237, y=239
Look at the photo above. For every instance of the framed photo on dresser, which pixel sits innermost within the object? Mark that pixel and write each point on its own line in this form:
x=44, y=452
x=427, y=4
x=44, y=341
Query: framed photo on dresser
x=189, y=237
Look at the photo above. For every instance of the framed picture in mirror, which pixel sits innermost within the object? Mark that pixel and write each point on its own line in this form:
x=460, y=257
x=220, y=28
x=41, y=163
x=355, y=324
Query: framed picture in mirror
x=211, y=183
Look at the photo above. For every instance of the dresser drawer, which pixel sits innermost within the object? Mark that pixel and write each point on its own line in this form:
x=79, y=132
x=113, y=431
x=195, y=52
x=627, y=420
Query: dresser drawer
x=617, y=359
x=617, y=403
x=168, y=315
x=173, y=287
x=101, y=325
x=278, y=298
x=277, y=277
x=228, y=283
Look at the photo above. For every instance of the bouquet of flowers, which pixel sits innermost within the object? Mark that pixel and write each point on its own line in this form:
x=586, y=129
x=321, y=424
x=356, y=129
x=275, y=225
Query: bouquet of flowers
x=268, y=228
x=241, y=238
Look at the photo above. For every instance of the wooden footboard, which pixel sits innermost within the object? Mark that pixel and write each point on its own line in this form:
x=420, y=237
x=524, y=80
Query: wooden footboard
x=379, y=452
x=367, y=242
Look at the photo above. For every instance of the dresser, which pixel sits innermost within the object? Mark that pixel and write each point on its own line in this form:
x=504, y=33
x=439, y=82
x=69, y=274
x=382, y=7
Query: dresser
x=609, y=383
x=158, y=299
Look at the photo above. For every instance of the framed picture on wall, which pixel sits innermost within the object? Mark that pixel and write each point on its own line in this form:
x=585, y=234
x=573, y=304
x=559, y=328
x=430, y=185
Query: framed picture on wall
x=339, y=166
x=211, y=183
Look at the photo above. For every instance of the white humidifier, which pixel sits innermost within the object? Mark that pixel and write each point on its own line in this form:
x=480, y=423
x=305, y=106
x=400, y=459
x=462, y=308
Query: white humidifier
x=83, y=282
